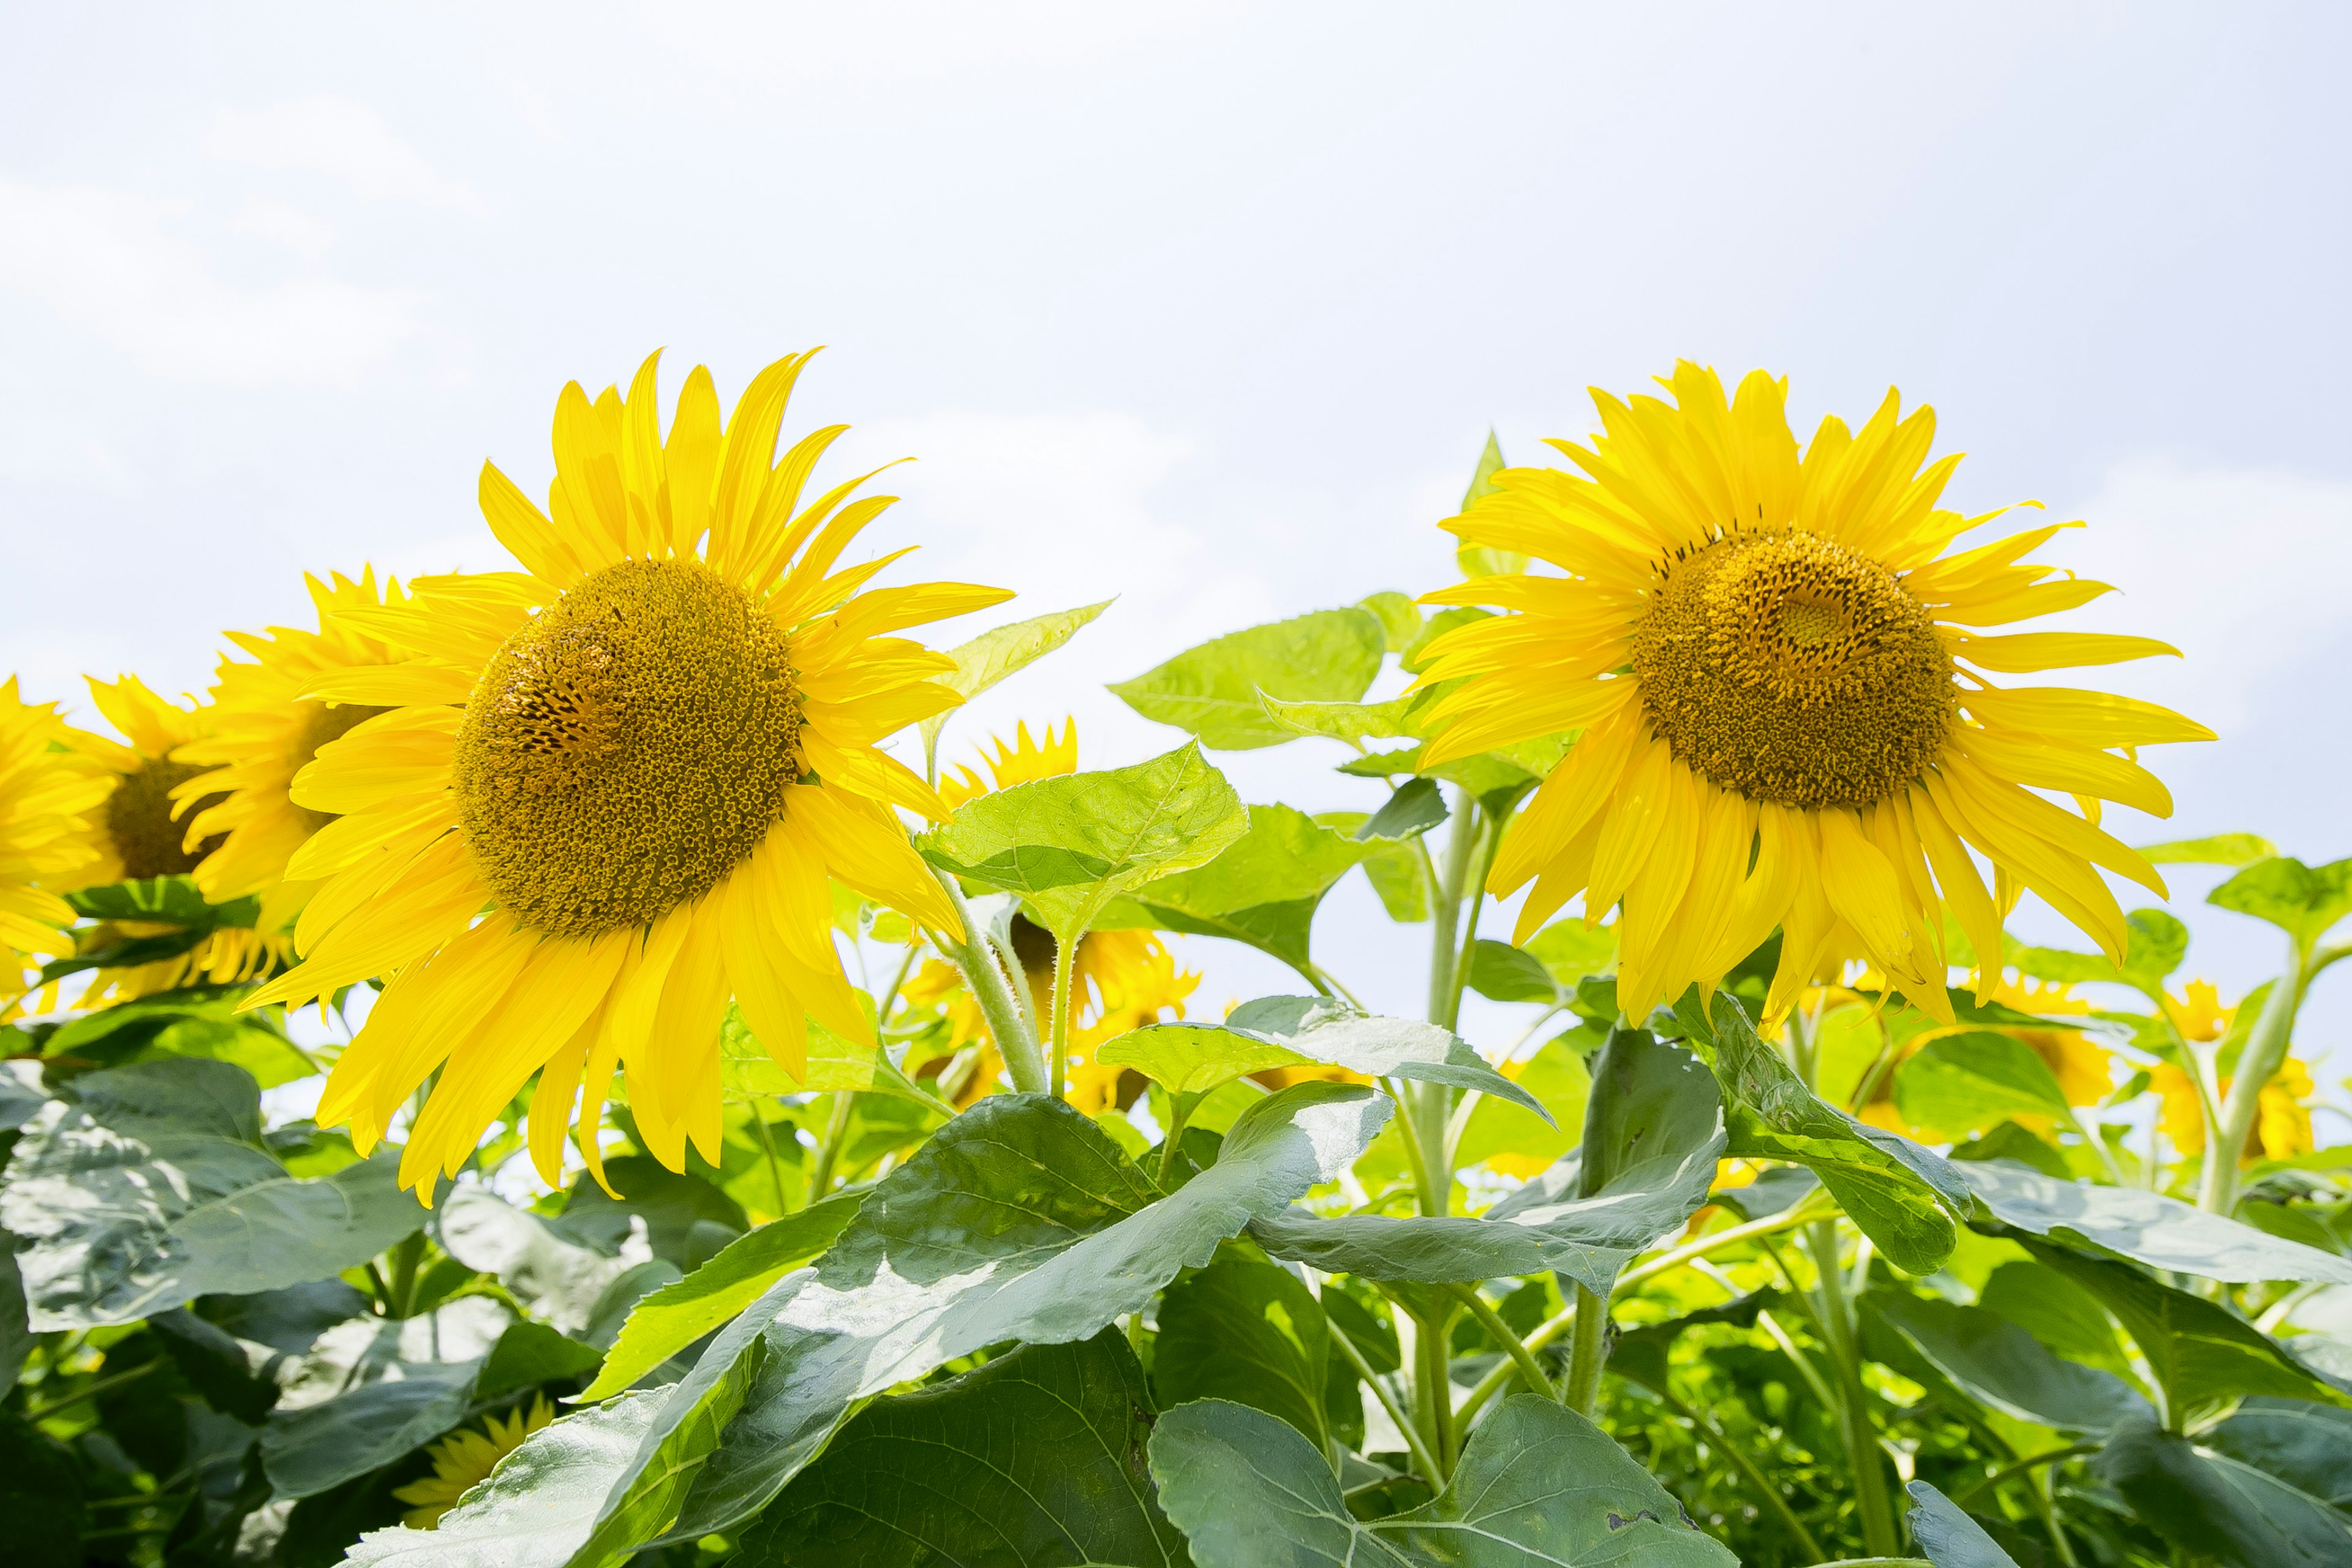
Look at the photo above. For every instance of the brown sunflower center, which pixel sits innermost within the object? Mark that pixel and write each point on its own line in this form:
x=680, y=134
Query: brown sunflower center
x=627, y=748
x=139, y=819
x=1793, y=669
x=326, y=722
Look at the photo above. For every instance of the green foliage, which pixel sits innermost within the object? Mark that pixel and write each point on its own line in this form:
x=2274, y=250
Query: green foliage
x=2300, y=899
x=1248, y=1332
x=1212, y=691
x=1262, y=889
x=1002, y=651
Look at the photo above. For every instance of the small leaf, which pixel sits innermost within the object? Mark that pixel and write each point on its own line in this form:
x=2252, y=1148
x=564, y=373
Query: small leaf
x=2303, y=901
x=548, y=1270
x=1354, y=723
x=529, y=1354
x=1262, y=890
x=672, y=1318
x=1068, y=845
x=1501, y=973
x=1485, y=560
x=308, y=1450
x=2221, y=850
x=1417, y=806
x=1001, y=651
x=1572, y=954
x=2147, y=1227
x=1399, y=617
x=1537, y=1484
x=1966, y=1083
x=1949, y=1536
x=1212, y=691
x=1035, y=1458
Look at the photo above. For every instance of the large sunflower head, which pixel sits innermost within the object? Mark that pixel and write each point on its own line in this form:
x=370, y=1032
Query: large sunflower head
x=53, y=799
x=142, y=832
x=609, y=789
x=1784, y=688
x=265, y=727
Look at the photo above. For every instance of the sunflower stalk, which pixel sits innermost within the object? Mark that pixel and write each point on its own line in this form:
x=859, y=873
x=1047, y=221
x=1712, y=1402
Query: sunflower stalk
x=1871, y=1500
x=1057, y=1054
x=2258, y=1063
x=1024, y=1063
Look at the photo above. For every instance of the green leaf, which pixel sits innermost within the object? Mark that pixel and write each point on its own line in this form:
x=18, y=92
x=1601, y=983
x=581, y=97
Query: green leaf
x=529, y=1354
x=1556, y=1076
x=1501, y=973
x=671, y=1203
x=1907, y=1200
x=2147, y=1227
x=1485, y=559
x=213, y=1363
x=2307, y=1446
x=535, y=1510
x=1211, y=691
x=1417, y=806
x=1018, y=1220
x=1249, y=1332
x=1034, y=1459
x=2221, y=850
x=41, y=1496
x=1572, y=954
x=1653, y=1134
x=2158, y=942
x=2010, y=1142
x=548, y=1268
x=146, y=1186
x=1399, y=617
x=2199, y=1354
x=1069, y=844
x=2202, y=1501
x=1949, y=1536
x=2069, y=1322
x=1967, y=1083
x=1262, y=890
x=16, y=1340
x=1537, y=1484
x=1354, y=723
x=318, y=1447
x=200, y=1021
x=2002, y=1365
x=2302, y=901
x=672, y=1318
x=1002, y=651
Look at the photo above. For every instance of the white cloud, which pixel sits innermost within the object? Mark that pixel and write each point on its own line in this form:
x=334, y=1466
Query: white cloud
x=2242, y=569
x=338, y=138
x=121, y=266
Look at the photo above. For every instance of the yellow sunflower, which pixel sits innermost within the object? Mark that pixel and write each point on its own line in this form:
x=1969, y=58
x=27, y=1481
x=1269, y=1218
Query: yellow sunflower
x=1120, y=980
x=464, y=1460
x=2282, y=1127
x=265, y=727
x=139, y=834
x=1768, y=654
x=52, y=808
x=610, y=788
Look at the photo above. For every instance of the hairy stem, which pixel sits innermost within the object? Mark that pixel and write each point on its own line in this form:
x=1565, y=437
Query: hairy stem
x=1057, y=1053
x=1492, y=1322
x=2258, y=1063
x=976, y=960
x=1878, y=1532
x=1587, y=1350
x=1406, y=1425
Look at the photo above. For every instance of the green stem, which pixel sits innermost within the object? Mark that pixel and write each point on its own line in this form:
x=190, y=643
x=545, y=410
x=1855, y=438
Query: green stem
x=1180, y=1111
x=975, y=959
x=776, y=1164
x=1446, y=914
x=1057, y=1055
x=1587, y=1350
x=1878, y=1532
x=1877, y=1563
x=404, y=1259
x=1492, y=1322
x=1404, y=1424
x=2258, y=1063
x=90, y=1390
x=828, y=1147
x=1437, y=1388
x=1756, y=1479
x=2071, y=1451
x=1472, y=892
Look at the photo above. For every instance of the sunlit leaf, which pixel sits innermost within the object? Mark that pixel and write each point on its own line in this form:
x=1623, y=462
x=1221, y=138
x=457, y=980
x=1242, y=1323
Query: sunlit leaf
x=2220, y=849
x=1212, y=690
x=1249, y=1332
x=2147, y=1227
x=1001, y=651
x=2303, y=901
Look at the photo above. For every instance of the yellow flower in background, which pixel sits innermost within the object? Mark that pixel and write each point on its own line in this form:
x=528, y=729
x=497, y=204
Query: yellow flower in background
x=644, y=755
x=266, y=727
x=1767, y=653
x=463, y=1460
x=140, y=833
x=52, y=810
x=2198, y=1012
x=2282, y=1127
x=1026, y=761
x=2084, y=1067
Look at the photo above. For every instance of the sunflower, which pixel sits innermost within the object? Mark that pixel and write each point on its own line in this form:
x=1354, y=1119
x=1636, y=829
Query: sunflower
x=1120, y=980
x=139, y=834
x=2282, y=1127
x=1767, y=656
x=610, y=788
x=266, y=727
x=52, y=808
x=2082, y=1067
x=464, y=1460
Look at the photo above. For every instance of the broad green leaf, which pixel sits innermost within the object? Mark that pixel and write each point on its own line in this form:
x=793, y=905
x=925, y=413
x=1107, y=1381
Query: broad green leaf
x=2220, y=849
x=1248, y=1332
x=145, y=1186
x=1354, y=723
x=16, y=1339
x=212, y=1362
x=1537, y=1484
x=1018, y=1220
x=1069, y=844
x=2158, y=942
x=307, y=1451
x=1520, y=1142
x=748, y=1072
x=2148, y=1227
x=1571, y=952
x=1948, y=1535
x=2302, y=901
x=1963, y=1084
x=548, y=1270
x=2307, y=1446
x=672, y=1318
x=1212, y=691
x=1001, y=651
x=41, y=1496
x=2003, y=1366
x=1037, y=1459
x=1776, y=1190
x=164, y=901
x=1417, y=806
x=1262, y=890
x=2200, y=1353
x=1908, y=1201
x=1399, y=617
x=2070, y=1322
x=1653, y=1134
x=1485, y=560
x=673, y=1204
x=530, y=1354
x=1395, y=873
x=2010, y=1142
x=2203, y=1502
x=1501, y=973
x=200, y=1021
x=536, y=1509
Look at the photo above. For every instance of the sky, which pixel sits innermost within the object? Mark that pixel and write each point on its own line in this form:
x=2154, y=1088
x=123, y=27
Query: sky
x=1207, y=307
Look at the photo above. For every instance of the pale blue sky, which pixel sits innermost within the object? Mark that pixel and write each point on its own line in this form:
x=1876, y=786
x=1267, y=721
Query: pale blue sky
x=1207, y=306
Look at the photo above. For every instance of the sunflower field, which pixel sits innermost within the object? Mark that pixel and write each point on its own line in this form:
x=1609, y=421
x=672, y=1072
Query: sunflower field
x=565, y=1067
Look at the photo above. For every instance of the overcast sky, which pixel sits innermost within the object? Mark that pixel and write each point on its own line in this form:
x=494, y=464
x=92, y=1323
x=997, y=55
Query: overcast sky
x=1208, y=307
